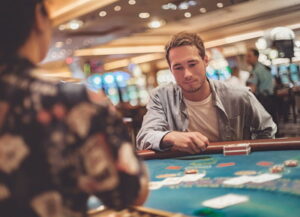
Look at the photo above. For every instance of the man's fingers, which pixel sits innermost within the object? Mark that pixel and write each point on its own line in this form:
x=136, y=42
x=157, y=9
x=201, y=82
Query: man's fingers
x=193, y=145
x=200, y=141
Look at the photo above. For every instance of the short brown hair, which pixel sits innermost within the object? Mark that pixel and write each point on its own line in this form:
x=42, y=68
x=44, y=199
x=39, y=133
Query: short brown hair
x=254, y=51
x=183, y=39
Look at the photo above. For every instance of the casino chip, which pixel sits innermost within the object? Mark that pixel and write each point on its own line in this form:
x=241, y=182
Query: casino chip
x=226, y=164
x=291, y=163
x=190, y=171
x=245, y=173
x=173, y=167
x=277, y=169
x=162, y=176
x=264, y=163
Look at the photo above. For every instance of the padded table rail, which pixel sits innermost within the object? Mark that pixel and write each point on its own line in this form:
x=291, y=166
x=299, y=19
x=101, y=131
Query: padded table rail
x=217, y=147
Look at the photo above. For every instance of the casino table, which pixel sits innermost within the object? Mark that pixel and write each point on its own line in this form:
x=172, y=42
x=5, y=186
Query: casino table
x=276, y=198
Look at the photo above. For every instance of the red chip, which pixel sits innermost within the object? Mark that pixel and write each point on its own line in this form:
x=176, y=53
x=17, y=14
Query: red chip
x=276, y=169
x=226, y=164
x=264, y=163
x=173, y=167
x=291, y=163
x=191, y=171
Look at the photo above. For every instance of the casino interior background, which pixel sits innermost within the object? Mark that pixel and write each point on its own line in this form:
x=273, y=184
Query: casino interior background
x=118, y=46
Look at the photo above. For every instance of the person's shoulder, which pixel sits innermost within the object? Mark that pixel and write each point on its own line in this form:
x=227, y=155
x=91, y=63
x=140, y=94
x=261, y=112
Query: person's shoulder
x=228, y=90
x=165, y=89
x=259, y=67
x=48, y=85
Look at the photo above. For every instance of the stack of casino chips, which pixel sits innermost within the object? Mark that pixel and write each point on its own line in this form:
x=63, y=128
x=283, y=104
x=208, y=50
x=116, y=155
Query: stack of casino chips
x=280, y=168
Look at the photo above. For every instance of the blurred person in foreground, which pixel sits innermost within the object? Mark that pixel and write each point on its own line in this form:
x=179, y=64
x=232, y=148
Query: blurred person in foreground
x=57, y=147
x=188, y=115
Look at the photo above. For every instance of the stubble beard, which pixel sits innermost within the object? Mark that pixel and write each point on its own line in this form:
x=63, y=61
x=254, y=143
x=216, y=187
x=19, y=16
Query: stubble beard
x=193, y=89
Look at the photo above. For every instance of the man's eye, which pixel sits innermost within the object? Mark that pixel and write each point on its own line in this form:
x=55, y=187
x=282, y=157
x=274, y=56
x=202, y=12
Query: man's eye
x=192, y=64
x=178, y=68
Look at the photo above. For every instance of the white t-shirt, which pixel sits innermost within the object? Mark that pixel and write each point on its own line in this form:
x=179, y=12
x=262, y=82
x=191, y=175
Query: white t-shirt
x=203, y=118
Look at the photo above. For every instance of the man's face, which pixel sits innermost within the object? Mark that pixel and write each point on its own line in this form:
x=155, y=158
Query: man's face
x=251, y=58
x=188, y=68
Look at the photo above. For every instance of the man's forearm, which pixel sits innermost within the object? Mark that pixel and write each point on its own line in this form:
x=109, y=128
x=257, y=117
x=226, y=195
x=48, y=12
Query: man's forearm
x=150, y=139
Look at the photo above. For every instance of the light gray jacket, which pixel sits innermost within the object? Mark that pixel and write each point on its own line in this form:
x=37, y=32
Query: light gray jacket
x=240, y=115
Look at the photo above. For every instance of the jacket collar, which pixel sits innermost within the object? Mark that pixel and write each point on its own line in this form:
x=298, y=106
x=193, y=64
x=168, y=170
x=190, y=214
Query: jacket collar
x=216, y=98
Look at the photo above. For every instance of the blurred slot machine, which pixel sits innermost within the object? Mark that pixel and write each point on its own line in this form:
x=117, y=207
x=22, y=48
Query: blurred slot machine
x=211, y=73
x=284, y=75
x=294, y=72
x=110, y=87
x=137, y=86
x=94, y=82
x=133, y=93
x=122, y=79
x=274, y=70
x=143, y=92
x=165, y=76
x=224, y=73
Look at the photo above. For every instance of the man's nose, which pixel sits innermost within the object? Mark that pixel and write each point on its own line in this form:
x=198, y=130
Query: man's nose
x=187, y=74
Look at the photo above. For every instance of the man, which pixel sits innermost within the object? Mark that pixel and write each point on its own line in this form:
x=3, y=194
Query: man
x=188, y=115
x=57, y=147
x=261, y=82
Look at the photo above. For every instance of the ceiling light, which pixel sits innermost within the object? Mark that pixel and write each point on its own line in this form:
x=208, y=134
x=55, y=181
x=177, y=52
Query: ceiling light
x=62, y=27
x=117, y=8
x=144, y=15
x=165, y=7
x=261, y=44
x=75, y=24
x=183, y=6
x=192, y=3
x=220, y=5
x=169, y=6
x=282, y=33
x=187, y=14
x=102, y=13
x=132, y=2
x=154, y=24
x=203, y=10
x=59, y=44
x=273, y=54
x=172, y=6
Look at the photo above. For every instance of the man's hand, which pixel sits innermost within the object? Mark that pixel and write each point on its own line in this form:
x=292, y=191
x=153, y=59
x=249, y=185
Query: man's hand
x=191, y=142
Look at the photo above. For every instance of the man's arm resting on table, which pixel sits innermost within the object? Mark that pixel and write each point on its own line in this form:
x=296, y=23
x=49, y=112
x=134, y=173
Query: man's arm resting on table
x=154, y=126
x=191, y=142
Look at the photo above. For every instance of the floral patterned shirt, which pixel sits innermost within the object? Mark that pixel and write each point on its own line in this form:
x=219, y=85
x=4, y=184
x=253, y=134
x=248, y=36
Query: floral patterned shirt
x=57, y=148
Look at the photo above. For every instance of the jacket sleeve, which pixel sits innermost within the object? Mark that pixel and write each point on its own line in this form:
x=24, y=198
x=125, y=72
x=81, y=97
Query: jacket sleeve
x=262, y=124
x=155, y=125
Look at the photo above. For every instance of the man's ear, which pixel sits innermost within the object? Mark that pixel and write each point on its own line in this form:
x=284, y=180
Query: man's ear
x=40, y=19
x=205, y=60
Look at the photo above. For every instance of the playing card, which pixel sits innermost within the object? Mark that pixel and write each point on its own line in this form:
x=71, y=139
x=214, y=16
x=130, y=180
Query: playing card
x=266, y=177
x=192, y=177
x=155, y=185
x=238, y=180
x=225, y=201
x=172, y=181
